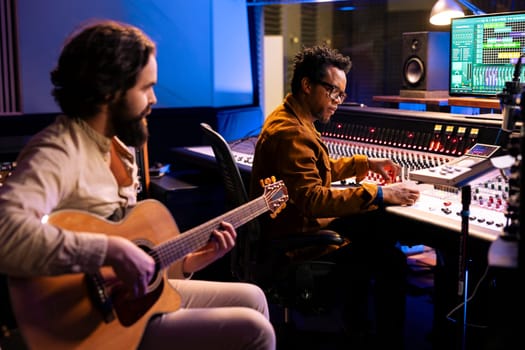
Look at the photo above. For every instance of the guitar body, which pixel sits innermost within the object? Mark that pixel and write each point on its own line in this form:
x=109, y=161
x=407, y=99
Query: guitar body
x=93, y=311
x=79, y=311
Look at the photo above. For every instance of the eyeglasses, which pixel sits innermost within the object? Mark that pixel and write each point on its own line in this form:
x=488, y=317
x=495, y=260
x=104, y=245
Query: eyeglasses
x=333, y=91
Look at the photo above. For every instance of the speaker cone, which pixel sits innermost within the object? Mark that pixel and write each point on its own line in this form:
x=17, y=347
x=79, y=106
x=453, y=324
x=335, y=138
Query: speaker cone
x=414, y=71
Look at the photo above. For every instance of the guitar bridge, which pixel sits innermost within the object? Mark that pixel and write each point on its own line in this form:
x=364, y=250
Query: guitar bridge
x=97, y=294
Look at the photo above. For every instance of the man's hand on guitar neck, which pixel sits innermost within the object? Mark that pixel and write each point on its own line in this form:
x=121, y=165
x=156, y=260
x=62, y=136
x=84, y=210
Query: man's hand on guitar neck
x=221, y=242
x=135, y=268
x=132, y=265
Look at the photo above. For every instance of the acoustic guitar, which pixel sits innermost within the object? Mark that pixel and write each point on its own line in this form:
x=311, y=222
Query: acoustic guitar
x=94, y=311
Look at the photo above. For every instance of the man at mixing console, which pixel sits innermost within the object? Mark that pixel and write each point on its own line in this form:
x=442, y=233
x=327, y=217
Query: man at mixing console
x=290, y=148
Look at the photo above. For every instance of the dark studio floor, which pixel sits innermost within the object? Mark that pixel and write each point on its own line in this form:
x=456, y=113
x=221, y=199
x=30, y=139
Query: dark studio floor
x=484, y=330
x=324, y=332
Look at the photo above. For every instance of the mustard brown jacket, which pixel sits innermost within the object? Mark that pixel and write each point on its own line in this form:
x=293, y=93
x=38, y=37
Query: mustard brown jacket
x=290, y=148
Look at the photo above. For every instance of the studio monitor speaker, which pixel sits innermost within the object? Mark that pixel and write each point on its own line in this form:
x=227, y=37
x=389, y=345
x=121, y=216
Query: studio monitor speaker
x=425, y=61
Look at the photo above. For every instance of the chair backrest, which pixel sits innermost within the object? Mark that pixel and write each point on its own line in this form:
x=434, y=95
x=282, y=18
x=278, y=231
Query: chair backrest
x=286, y=268
x=244, y=253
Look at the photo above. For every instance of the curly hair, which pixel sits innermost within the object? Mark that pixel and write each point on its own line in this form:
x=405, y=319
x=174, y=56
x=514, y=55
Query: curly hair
x=312, y=62
x=96, y=63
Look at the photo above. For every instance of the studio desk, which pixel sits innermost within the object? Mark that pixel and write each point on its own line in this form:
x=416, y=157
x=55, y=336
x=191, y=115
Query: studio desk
x=415, y=140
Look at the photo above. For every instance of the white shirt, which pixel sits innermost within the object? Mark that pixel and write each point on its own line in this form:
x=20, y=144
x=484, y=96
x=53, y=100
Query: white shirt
x=65, y=166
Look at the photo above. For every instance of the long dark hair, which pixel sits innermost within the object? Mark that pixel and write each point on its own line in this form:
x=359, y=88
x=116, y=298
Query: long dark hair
x=98, y=61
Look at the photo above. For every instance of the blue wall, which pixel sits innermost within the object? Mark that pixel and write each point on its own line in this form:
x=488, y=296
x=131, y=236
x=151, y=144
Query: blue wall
x=203, y=47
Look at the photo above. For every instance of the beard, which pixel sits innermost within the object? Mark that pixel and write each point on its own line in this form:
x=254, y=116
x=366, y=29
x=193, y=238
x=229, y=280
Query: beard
x=129, y=128
x=321, y=118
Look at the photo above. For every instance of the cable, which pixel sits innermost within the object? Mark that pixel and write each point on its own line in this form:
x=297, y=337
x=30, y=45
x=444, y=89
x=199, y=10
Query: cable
x=474, y=292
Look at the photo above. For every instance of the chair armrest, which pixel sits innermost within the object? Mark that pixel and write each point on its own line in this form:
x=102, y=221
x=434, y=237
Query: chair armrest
x=302, y=247
x=319, y=238
x=278, y=256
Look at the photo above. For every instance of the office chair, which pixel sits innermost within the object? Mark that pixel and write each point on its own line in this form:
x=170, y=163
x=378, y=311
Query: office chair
x=286, y=269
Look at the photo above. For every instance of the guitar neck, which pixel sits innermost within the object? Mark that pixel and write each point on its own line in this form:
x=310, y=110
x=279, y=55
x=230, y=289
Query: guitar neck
x=195, y=238
x=50, y=318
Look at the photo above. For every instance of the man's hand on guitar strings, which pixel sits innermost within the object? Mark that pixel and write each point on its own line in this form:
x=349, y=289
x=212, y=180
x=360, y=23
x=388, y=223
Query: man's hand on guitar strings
x=223, y=239
x=132, y=265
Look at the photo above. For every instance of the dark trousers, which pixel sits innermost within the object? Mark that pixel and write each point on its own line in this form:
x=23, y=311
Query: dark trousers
x=10, y=338
x=375, y=296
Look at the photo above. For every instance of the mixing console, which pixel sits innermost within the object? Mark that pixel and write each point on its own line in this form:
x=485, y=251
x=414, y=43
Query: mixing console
x=441, y=205
x=419, y=141
x=458, y=171
x=244, y=159
x=416, y=141
x=408, y=159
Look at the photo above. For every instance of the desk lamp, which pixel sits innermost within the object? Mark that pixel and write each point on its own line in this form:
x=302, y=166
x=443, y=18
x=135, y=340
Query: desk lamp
x=444, y=10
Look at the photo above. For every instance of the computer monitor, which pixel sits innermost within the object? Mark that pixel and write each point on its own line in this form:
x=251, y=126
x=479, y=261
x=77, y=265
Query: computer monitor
x=483, y=52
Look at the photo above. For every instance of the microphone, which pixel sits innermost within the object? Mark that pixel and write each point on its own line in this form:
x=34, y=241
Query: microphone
x=510, y=99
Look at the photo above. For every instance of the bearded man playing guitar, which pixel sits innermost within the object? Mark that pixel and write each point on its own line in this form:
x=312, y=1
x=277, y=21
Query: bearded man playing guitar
x=83, y=278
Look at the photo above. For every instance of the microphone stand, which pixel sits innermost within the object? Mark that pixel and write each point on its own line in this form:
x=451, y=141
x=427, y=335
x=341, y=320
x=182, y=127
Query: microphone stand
x=506, y=253
x=463, y=262
x=509, y=100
